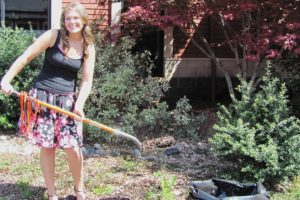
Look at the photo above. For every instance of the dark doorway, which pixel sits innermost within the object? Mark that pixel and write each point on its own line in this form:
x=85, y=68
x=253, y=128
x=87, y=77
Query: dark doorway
x=152, y=39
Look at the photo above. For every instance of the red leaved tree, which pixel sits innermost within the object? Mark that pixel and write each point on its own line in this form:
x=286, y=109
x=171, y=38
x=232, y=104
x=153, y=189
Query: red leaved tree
x=268, y=28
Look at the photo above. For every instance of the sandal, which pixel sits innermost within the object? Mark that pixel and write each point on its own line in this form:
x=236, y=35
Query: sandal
x=54, y=197
x=80, y=193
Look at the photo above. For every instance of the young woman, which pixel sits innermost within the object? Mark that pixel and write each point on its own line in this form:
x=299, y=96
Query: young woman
x=66, y=51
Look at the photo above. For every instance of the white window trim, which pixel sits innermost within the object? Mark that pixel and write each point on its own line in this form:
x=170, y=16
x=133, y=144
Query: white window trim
x=168, y=42
x=116, y=11
x=56, y=10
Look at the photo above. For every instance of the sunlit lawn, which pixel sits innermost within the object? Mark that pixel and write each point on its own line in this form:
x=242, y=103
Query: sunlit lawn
x=292, y=193
x=104, y=177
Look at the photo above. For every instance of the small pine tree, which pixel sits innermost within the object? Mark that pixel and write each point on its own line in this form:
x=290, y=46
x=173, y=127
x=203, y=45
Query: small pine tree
x=258, y=134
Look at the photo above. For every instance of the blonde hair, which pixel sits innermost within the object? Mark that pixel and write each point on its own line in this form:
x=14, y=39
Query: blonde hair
x=86, y=31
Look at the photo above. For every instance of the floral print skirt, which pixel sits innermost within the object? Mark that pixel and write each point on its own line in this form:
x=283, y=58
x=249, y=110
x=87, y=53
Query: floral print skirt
x=52, y=129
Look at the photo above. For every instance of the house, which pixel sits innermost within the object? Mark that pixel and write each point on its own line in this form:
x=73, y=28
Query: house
x=45, y=14
x=177, y=59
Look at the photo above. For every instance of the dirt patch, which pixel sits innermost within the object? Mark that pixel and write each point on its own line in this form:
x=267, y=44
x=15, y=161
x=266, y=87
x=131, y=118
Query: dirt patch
x=119, y=177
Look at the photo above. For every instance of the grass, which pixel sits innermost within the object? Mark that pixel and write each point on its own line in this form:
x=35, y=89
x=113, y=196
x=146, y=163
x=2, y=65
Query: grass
x=104, y=177
x=152, y=194
x=292, y=193
x=103, y=190
x=23, y=174
x=167, y=186
x=126, y=166
x=23, y=185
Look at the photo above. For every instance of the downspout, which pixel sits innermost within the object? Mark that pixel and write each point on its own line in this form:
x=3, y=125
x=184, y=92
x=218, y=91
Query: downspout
x=213, y=65
x=2, y=13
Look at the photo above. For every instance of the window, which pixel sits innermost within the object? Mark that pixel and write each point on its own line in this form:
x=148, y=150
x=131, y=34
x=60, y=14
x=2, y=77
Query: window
x=26, y=14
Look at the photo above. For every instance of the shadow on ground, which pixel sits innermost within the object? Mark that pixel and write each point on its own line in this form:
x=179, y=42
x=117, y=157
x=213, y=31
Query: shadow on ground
x=21, y=190
x=72, y=197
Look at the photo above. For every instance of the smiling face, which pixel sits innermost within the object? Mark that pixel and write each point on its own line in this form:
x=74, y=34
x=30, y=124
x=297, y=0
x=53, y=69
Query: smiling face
x=73, y=21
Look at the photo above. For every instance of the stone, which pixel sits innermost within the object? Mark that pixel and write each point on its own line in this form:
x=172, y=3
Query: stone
x=137, y=154
x=171, y=151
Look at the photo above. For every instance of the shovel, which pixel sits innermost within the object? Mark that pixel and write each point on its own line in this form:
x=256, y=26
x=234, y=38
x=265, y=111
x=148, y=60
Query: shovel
x=103, y=127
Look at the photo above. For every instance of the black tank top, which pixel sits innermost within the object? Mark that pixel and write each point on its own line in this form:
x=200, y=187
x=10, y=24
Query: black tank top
x=59, y=72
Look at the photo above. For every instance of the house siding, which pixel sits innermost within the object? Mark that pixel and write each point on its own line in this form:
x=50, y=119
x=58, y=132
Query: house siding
x=188, y=61
x=183, y=48
x=190, y=72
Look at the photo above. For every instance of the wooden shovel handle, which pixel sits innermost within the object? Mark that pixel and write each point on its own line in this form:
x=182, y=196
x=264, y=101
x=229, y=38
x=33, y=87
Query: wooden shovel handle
x=86, y=120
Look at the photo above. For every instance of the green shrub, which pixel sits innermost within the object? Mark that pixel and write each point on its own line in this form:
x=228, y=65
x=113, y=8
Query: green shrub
x=185, y=120
x=258, y=134
x=125, y=94
x=12, y=44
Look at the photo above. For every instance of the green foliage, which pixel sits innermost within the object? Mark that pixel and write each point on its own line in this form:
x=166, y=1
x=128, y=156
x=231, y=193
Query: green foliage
x=126, y=166
x=167, y=187
x=4, y=123
x=291, y=192
x=258, y=134
x=184, y=119
x=23, y=186
x=12, y=44
x=103, y=190
x=125, y=94
x=152, y=194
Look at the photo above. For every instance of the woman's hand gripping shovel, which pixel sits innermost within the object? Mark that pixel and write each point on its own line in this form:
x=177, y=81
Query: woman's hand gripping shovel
x=25, y=97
